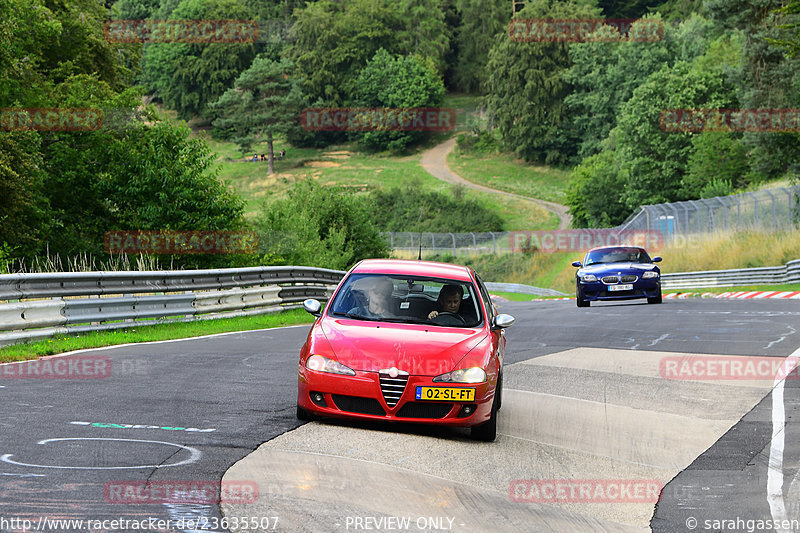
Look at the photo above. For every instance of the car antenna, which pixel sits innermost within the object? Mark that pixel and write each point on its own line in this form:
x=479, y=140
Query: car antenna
x=419, y=257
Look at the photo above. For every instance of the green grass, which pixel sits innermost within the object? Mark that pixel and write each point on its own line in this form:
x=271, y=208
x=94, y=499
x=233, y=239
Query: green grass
x=343, y=166
x=504, y=172
x=519, y=297
x=160, y=332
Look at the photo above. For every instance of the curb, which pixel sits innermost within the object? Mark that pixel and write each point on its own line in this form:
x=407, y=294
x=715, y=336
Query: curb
x=795, y=295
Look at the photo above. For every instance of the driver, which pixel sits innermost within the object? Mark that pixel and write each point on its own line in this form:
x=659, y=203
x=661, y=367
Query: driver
x=449, y=300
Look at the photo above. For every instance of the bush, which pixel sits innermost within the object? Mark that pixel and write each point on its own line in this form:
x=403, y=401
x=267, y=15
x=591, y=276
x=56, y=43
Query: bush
x=319, y=226
x=482, y=142
x=409, y=209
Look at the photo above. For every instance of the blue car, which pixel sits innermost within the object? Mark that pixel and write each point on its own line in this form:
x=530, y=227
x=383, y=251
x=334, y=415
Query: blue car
x=617, y=273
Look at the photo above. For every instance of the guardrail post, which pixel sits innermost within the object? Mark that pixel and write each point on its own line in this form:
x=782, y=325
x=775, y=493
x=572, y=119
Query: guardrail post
x=454, y=244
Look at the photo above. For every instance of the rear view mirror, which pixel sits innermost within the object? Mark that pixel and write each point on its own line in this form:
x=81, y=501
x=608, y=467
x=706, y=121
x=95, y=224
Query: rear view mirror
x=577, y=264
x=503, y=321
x=656, y=259
x=312, y=306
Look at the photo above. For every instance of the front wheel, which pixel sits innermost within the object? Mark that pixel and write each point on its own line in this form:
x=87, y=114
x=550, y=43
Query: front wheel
x=304, y=415
x=487, y=431
x=582, y=303
x=656, y=300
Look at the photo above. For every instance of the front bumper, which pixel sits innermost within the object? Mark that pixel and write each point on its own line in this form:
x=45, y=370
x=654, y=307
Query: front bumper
x=597, y=290
x=362, y=397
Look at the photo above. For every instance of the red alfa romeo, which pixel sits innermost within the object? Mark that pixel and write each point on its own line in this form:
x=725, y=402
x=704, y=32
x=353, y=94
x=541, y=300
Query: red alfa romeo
x=410, y=341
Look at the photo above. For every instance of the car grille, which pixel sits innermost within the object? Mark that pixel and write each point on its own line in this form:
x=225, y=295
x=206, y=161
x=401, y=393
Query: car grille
x=356, y=404
x=629, y=278
x=610, y=279
x=424, y=410
x=393, y=387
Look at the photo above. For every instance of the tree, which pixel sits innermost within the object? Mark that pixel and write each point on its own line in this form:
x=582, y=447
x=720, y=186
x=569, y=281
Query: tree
x=590, y=207
x=716, y=156
x=189, y=76
x=266, y=100
x=24, y=220
x=334, y=41
x=767, y=77
x=396, y=82
x=526, y=90
x=654, y=160
x=481, y=21
x=603, y=75
x=427, y=31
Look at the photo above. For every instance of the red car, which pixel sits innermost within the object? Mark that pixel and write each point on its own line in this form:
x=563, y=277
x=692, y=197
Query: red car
x=407, y=341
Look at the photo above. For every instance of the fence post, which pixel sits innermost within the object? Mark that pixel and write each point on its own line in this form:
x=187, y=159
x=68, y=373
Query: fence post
x=774, y=216
x=755, y=208
x=454, y=244
x=724, y=211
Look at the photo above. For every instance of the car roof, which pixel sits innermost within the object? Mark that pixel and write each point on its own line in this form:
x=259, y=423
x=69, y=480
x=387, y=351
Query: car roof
x=415, y=268
x=617, y=246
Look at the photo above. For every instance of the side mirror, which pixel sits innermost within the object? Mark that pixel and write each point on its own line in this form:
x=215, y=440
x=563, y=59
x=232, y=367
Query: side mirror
x=577, y=264
x=312, y=306
x=502, y=321
x=656, y=259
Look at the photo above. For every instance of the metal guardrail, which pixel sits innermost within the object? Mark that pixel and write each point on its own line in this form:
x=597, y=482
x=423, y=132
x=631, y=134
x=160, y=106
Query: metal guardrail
x=522, y=289
x=96, y=301
x=789, y=273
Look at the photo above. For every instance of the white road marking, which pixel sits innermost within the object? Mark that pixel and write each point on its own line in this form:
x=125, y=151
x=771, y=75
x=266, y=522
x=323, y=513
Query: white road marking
x=194, y=457
x=775, y=499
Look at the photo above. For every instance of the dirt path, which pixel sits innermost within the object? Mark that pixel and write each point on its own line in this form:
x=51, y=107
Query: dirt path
x=434, y=161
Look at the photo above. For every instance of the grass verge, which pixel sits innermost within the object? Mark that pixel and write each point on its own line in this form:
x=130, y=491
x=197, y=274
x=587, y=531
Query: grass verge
x=160, y=332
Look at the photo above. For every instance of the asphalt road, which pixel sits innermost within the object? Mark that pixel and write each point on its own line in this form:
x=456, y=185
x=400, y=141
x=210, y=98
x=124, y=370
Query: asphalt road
x=182, y=413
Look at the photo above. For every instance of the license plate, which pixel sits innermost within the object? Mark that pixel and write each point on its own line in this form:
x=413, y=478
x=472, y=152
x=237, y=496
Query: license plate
x=628, y=287
x=446, y=394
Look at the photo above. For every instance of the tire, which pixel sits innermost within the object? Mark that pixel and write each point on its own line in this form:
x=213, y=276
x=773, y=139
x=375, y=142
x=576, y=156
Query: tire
x=304, y=415
x=582, y=303
x=487, y=431
x=499, y=392
x=656, y=300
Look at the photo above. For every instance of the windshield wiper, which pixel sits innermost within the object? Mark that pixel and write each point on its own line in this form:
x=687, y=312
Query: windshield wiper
x=355, y=316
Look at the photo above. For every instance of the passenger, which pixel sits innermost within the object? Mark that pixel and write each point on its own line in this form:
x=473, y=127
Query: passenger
x=449, y=300
x=374, y=296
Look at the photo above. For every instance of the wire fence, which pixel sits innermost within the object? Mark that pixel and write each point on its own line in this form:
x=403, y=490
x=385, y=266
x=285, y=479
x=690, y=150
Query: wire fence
x=651, y=226
x=765, y=210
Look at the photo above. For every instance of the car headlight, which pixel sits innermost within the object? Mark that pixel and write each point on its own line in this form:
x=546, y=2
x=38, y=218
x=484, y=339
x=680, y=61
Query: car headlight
x=465, y=375
x=650, y=274
x=323, y=364
x=588, y=277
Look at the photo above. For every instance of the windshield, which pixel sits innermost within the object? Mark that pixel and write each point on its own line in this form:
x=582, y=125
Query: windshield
x=411, y=300
x=617, y=255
